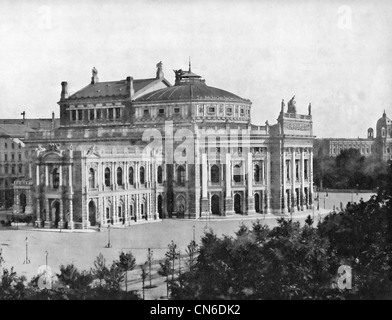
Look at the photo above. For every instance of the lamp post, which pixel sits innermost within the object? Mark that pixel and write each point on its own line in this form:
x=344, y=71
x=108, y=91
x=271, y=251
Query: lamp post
x=46, y=261
x=109, y=244
x=27, y=260
x=193, y=228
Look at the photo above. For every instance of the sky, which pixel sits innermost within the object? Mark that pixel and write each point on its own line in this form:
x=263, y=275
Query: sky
x=334, y=54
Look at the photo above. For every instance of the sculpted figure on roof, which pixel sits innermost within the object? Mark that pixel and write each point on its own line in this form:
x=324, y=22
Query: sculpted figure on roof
x=178, y=74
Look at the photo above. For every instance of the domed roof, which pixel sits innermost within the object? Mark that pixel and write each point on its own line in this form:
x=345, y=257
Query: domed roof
x=189, y=86
x=384, y=121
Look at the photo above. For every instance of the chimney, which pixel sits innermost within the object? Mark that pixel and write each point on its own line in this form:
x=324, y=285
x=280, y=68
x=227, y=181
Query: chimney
x=130, y=89
x=64, y=90
x=52, y=120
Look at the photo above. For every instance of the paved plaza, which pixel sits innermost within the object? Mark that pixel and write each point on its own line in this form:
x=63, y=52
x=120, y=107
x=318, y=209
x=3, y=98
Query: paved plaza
x=81, y=247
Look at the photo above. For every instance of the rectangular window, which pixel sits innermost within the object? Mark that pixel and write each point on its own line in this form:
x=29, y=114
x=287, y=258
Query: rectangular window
x=118, y=113
x=80, y=114
x=110, y=113
x=91, y=114
x=146, y=112
x=5, y=157
x=13, y=170
x=13, y=146
x=20, y=156
x=99, y=114
x=20, y=169
x=12, y=157
x=176, y=110
x=73, y=114
x=161, y=111
x=229, y=110
x=242, y=111
x=6, y=145
x=211, y=110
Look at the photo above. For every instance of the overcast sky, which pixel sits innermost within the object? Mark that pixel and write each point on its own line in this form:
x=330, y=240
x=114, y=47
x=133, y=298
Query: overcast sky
x=338, y=54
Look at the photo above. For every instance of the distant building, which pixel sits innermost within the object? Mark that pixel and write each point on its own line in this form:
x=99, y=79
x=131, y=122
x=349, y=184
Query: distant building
x=13, y=157
x=379, y=145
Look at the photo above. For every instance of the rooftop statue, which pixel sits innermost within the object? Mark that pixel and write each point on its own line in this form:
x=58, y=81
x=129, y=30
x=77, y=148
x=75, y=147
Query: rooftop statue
x=282, y=109
x=310, y=109
x=159, y=70
x=291, y=108
x=178, y=74
x=95, y=72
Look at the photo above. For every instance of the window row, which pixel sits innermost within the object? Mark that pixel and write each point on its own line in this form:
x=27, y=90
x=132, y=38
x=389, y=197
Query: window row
x=95, y=114
x=119, y=176
x=11, y=169
x=12, y=157
x=12, y=145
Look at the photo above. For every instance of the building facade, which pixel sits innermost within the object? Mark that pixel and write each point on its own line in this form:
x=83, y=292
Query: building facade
x=142, y=149
x=379, y=145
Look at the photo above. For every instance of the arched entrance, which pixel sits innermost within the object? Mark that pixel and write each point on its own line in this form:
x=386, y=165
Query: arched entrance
x=22, y=202
x=160, y=206
x=180, y=204
x=215, y=204
x=55, y=210
x=237, y=203
x=257, y=202
x=92, y=213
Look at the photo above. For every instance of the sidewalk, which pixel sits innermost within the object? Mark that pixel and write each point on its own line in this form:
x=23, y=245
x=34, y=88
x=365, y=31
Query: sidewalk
x=260, y=216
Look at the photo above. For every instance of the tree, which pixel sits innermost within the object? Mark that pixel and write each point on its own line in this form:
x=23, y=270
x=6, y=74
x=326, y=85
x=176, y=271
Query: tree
x=165, y=271
x=126, y=263
x=191, y=251
x=172, y=255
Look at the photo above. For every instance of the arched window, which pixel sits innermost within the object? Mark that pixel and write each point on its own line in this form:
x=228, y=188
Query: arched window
x=142, y=178
x=159, y=174
x=130, y=176
x=56, y=178
x=181, y=175
x=107, y=177
x=237, y=173
x=91, y=178
x=214, y=173
x=119, y=176
x=256, y=173
x=383, y=132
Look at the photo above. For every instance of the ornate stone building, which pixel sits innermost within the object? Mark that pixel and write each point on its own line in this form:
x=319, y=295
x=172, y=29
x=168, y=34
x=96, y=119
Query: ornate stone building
x=379, y=145
x=142, y=149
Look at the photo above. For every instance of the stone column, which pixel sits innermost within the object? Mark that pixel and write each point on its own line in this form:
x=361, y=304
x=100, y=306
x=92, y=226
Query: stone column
x=60, y=176
x=37, y=175
x=48, y=221
x=71, y=224
x=39, y=223
x=229, y=199
x=303, y=206
x=311, y=180
x=204, y=201
x=46, y=175
x=251, y=203
x=267, y=175
x=70, y=177
x=137, y=208
x=61, y=222
x=293, y=183
x=283, y=201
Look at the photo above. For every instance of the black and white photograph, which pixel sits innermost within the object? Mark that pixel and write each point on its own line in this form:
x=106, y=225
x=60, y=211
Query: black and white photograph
x=204, y=151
